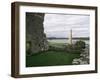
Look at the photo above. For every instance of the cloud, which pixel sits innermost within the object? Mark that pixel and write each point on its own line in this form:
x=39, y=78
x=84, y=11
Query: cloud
x=58, y=25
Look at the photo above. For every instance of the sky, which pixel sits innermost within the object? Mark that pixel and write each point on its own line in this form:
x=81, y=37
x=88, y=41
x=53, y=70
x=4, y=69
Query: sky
x=59, y=25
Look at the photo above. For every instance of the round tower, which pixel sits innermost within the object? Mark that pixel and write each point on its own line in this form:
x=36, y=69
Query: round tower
x=70, y=36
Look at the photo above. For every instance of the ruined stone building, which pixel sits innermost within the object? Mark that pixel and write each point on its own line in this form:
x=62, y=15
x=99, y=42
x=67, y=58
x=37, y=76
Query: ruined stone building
x=36, y=40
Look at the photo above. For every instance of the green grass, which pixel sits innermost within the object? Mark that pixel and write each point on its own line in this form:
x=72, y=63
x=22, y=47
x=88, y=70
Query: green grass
x=54, y=56
x=50, y=58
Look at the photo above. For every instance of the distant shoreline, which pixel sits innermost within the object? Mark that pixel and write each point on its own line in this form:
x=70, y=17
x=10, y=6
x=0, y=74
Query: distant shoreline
x=85, y=38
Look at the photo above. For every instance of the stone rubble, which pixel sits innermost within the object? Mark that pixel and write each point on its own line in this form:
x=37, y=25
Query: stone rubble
x=84, y=57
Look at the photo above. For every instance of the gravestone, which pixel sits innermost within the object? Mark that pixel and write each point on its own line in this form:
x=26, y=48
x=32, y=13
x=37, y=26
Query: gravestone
x=35, y=36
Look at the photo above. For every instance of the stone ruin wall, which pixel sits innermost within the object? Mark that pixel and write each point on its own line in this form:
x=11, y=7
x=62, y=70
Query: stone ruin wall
x=35, y=32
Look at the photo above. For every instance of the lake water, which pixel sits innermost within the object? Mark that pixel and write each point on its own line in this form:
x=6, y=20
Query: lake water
x=66, y=41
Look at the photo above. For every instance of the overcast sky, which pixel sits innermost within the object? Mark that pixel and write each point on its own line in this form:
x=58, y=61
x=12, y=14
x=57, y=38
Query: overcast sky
x=58, y=25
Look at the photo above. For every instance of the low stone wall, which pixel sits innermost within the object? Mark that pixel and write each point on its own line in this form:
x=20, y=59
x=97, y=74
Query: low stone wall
x=84, y=57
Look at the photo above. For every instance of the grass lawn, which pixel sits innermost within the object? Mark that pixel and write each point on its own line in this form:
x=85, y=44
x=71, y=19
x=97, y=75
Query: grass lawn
x=50, y=58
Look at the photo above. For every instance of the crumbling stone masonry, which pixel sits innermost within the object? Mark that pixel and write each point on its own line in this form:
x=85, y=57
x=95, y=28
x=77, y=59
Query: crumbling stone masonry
x=36, y=40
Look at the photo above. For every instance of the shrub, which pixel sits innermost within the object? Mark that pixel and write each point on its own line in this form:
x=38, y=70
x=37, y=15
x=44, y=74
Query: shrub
x=55, y=48
x=80, y=45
